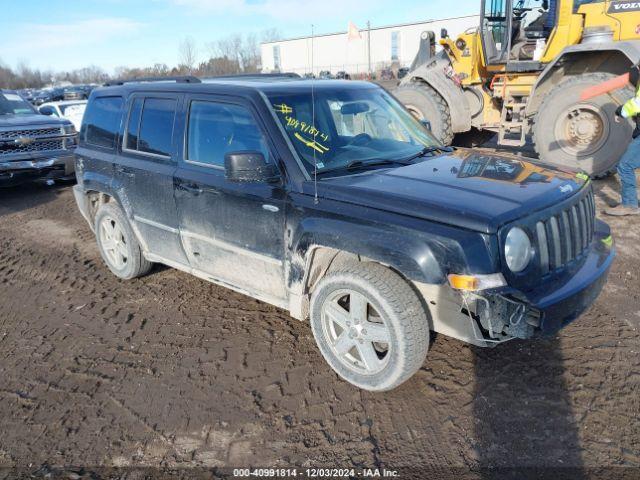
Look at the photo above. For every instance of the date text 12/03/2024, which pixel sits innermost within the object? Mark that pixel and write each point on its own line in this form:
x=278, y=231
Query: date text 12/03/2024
x=314, y=473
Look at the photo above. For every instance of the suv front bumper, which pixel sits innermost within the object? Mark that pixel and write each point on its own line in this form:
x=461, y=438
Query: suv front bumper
x=491, y=317
x=564, y=300
x=50, y=167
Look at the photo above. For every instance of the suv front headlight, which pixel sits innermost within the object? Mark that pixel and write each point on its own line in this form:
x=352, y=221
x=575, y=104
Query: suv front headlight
x=517, y=250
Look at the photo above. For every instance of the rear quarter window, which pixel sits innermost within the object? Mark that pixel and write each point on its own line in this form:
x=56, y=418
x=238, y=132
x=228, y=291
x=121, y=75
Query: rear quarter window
x=102, y=121
x=150, y=126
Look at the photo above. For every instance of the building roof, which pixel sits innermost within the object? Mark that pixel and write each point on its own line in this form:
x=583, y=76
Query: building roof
x=383, y=27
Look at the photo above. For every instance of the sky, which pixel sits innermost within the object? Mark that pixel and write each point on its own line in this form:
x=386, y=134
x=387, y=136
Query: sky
x=68, y=34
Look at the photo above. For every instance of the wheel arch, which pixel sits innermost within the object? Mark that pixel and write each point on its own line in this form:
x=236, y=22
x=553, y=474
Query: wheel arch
x=316, y=254
x=610, y=57
x=95, y=199
x=91, y=195
x=96, y=196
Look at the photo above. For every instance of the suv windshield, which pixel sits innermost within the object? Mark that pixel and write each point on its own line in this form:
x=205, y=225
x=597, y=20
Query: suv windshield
x=13, y=104
x=347, y=127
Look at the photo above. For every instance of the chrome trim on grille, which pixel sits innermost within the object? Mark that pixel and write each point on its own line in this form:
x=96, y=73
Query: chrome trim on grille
x=10, y=134
x=24, y=141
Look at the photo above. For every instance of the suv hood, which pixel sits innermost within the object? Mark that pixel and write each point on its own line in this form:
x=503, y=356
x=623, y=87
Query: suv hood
x=31, y=120
x=471, y=189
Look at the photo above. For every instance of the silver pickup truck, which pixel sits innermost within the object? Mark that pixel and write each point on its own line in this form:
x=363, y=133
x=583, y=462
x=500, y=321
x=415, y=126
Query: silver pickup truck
x=33, y=146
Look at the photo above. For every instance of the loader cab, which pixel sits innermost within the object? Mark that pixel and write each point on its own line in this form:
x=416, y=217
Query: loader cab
x=509, y=29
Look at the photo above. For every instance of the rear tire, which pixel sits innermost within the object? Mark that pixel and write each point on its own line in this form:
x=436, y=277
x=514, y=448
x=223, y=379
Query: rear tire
x=118, y=245
x=425, y=103
x=370, y=326
x=582, y=135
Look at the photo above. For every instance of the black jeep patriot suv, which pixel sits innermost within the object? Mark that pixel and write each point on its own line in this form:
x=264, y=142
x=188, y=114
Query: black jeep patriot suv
x=329, y=200
x=32, y=145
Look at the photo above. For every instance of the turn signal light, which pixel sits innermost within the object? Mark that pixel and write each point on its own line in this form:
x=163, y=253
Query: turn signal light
x=463, y=282
x=474, y=283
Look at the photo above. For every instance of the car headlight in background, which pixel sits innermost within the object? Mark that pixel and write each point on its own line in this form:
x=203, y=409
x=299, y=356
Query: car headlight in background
x=517, y=250
x=70, y=142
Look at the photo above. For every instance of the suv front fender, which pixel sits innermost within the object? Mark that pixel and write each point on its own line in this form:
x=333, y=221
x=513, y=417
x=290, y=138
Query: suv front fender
x=421, y=256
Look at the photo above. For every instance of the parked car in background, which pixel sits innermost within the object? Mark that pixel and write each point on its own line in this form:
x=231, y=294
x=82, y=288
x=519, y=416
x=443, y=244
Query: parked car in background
x=330, y=200
x=72, y=110
x=27, y=93
x=88, y=89
x=76, y=92
x=33, y=146
x=325, y=74
x=48, y=95
x=342, y=75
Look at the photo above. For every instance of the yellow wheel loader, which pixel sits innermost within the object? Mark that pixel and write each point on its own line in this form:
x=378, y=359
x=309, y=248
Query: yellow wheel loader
x=520, y=74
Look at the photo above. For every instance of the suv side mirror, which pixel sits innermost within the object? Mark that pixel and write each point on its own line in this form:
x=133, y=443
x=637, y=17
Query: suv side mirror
x=249, y=166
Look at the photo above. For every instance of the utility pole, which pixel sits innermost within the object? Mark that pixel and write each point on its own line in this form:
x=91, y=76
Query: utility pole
x=369, y=45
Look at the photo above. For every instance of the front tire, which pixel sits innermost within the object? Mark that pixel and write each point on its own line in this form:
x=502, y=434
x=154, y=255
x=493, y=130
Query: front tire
x=582, y=134
x=370, y=326
x=118, y=245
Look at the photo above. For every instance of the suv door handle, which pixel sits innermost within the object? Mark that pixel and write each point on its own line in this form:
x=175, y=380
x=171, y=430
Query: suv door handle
x=125, y=171
x=270, y=208
x=190, y=187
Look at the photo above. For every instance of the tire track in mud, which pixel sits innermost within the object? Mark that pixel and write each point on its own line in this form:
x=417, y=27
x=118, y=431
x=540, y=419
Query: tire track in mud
x=169, y=370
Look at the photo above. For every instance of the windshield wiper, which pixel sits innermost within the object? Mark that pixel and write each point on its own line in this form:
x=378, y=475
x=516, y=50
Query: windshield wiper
x=426, y=151
x=358, y=164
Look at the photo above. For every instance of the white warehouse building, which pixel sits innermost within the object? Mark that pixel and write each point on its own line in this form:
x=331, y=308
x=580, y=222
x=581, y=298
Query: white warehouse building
x=392, y=46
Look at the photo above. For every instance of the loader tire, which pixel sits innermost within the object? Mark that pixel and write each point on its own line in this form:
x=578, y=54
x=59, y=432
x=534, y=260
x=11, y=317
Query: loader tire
x=578, y=134
x=425, y=103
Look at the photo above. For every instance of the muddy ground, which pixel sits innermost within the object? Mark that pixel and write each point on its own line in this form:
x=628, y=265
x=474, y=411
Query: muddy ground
x=170, y=371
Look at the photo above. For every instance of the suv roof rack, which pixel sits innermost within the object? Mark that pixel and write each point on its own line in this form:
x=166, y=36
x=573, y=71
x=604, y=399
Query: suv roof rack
x=241, y=76
x=177, y=79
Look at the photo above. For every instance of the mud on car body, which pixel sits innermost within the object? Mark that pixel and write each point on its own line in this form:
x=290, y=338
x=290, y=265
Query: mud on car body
x=32, y=145
x=329, y=200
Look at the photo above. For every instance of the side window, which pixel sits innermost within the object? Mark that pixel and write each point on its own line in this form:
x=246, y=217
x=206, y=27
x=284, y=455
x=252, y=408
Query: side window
x=216, y=129
x=102, y=121
x=133, y=126
x=150, y=126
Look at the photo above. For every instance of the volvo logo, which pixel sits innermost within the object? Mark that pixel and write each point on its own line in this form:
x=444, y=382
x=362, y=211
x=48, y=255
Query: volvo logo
x=23, y=141
x=624, y=6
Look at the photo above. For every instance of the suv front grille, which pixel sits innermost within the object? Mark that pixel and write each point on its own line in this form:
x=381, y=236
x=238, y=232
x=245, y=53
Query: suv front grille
x=41, y=140
x=43, y=146
x=31, y=133
x=565, y=236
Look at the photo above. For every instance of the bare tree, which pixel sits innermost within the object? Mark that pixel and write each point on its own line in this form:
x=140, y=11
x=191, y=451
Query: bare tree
x=230, y=55
x=188, y=54
x=271, y=35
x=250, y=54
